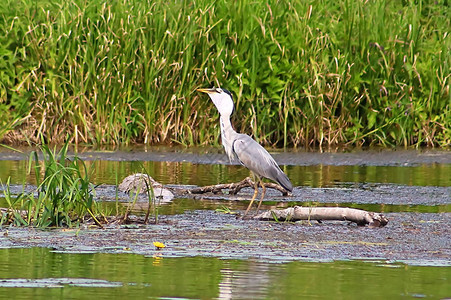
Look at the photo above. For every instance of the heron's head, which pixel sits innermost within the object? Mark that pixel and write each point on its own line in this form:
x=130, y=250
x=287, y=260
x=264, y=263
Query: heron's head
x=222, y=99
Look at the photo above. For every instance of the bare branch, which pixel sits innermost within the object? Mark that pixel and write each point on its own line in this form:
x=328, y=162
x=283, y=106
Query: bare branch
x=234, y=188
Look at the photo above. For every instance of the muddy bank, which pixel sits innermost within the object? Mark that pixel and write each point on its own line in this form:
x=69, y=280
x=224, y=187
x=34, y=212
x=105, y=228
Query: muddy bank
x=413, y=238
x=197, y=230
x=290, y=157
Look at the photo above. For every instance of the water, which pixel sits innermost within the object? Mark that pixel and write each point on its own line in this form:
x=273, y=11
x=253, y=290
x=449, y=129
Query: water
x=110, y=172
x=114, y=276
x=38, y=273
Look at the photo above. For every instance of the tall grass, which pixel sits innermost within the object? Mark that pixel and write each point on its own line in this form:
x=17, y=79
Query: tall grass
x=323, y=73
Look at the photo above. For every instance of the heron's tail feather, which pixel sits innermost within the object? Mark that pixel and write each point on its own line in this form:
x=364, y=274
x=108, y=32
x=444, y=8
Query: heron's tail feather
x=284, y=181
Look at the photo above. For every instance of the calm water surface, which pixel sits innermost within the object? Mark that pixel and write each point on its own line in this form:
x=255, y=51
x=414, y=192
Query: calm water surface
x=113, y=276
x=39, y=273
x=110, y=172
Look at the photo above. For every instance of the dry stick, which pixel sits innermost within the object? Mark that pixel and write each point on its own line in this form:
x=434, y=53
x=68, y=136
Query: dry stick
x=234, y=188
x=361, y=217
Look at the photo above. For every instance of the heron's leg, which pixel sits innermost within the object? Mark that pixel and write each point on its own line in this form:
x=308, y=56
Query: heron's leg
x=253, y=198
x=263, y=194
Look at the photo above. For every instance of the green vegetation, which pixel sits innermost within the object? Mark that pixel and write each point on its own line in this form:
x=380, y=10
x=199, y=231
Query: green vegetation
x=318, y=73
x=64, y=195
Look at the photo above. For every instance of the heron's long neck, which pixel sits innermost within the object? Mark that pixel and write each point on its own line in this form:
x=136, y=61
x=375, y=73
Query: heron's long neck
x=227, y=135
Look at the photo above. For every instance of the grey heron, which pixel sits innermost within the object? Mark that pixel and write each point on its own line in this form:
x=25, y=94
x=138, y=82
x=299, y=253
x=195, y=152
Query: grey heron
x=242, y=147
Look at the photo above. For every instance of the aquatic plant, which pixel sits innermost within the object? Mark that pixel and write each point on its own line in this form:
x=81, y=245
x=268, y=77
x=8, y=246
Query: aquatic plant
x=331, y=72
x=64, y=195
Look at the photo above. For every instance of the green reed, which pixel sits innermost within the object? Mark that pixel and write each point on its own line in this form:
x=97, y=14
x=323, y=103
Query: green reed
x=64, y=195
x=322, y=73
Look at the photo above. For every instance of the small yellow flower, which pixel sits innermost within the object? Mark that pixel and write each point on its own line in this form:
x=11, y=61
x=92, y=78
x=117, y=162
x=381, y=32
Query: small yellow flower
x=159, y=245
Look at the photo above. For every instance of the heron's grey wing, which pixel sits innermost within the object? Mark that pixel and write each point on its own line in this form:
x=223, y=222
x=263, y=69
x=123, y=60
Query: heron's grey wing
x=254, y=157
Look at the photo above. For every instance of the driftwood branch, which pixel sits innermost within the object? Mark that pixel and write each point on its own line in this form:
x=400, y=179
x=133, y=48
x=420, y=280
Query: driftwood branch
x=361, y=217
x=234, y=188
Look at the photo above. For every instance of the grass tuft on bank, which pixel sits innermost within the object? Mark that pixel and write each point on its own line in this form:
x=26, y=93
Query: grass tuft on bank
x=64, y=195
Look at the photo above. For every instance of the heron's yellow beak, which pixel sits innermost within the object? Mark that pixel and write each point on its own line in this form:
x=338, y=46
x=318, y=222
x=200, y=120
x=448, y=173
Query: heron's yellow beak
x=208, y=91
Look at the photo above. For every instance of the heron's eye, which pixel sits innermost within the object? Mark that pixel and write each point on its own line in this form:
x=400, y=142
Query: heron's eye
x=219, y=90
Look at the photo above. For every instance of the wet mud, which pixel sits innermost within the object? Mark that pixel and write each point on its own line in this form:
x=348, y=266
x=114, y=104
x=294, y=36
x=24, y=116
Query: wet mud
x=413, y=238
x=196, y=229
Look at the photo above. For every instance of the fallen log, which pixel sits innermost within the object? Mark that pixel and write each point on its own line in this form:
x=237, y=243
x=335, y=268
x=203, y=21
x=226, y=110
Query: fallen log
x=361, y=217
x=235, y=187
